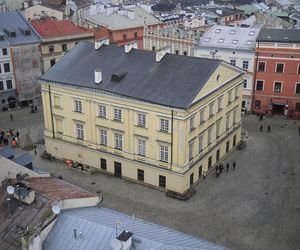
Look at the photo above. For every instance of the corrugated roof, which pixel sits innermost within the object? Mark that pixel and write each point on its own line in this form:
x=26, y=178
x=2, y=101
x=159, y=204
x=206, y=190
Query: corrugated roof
x=97, y=226
x=15, y=22
x=173, y=82
x=51, y=28
x=23, y=159
x=7, y=152
x=279, y=35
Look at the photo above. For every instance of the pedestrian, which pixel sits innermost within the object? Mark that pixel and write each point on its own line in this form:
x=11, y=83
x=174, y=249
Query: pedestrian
x=11, y=117
x=35, y=108
x=227, y=166
x=217, y=171
x=261, y=128
x=233, y=165
x=269, y=129
x=17, y=134
x=17, y=140
x=261, y=117
x=299, y=131
x=221, y=168
x=35, y=151
x=204, y=175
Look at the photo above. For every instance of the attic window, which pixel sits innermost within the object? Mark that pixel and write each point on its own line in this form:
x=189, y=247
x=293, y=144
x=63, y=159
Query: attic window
x=118, y=76
x=27, y=32
x=12, y=34
x=218, y=77
x=1, y=38
x=207, y=39
x=234, y=41
x=251, y=33
x=217, y=30
x=232, y=32
x=249, y=42
x=221, y=41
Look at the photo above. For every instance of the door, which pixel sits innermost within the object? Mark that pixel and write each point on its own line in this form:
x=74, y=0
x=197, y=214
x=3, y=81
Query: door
x=118, y=169
x=278, y=109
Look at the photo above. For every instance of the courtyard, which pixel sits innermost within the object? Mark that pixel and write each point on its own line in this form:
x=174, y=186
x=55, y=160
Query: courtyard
x=257, y=206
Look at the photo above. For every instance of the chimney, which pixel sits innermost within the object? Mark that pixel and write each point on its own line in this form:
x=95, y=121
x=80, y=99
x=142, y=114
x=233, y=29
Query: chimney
x=130, y=14
x=99, y=43
x=98, y=76
x=128, y=47
x=126, y=240
x=220, y=12
x=161, y=53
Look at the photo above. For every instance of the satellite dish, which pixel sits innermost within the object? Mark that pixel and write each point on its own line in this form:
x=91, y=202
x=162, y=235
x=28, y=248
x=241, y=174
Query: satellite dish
x=10, y=189
x=116, y=244
x=56, y=209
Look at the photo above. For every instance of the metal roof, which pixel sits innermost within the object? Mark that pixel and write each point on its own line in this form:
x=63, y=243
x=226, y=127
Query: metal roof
x=230, y=37
x=279, y=35
x=172, y=82
x=14, y=21
x=97, y=226
x=7, y=152
x=23, y=159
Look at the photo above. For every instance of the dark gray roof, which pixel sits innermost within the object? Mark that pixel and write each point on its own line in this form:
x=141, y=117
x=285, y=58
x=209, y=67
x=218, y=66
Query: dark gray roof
x=226, y=11
x=97, y=226
x=279, y=35
x=7, y=152
x=14, y=21
x=23, y=159
x=173, y=82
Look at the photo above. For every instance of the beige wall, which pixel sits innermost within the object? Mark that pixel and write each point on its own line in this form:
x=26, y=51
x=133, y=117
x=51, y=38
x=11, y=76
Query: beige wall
x=179, y=166
x=38, y=9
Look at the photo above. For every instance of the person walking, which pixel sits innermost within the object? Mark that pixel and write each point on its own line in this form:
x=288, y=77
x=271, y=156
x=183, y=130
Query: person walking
x=299, y=131
x=217, y=171
x=233, y=165
x=227, y=166
x=269, y=129
x=204, y=175
x=11, y=117
x=17, y=134
x=261, y=128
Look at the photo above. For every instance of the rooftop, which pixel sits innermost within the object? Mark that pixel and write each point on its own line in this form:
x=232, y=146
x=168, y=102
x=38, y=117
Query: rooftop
x=16, y=29
x=172, y=82
x=97, y=226
x=222, y=11
x=50, y=28
x=279, y=35
x=230, y=37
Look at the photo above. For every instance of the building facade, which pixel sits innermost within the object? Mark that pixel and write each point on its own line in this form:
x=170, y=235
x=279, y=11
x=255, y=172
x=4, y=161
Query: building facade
x=152, y=117
x=235, y=45
x=277, y=76
x=25, y=51
x=57, y=38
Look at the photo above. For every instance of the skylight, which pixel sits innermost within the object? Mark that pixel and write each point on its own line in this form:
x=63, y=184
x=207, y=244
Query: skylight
x=249, y=42
x=232, y=32
x=217, y=30
x=251, y=33
x=234, y=41
x=221, y=41
x=207, y=39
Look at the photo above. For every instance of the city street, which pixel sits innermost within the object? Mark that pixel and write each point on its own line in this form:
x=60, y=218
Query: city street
x=257, y=206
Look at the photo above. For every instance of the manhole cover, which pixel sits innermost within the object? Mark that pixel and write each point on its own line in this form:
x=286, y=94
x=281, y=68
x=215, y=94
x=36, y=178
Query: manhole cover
x=283, y=172
x=266, y=193
x=93, y=183
x=98, y=192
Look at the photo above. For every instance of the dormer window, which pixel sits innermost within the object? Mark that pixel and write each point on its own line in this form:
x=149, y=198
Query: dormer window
x=207, y=39
x=249, y=42
x=221, y=41
x=217, y=30
x=232, y=32
x=234, y=41
x=27, y=32
x=12, y=34
x=251, y=33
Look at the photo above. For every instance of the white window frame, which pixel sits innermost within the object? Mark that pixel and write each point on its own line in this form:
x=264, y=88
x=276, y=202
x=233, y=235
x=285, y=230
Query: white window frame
x=118, y=114
x=78, y=107
x=201, y=142
x=264, y=67
x=202, y=117
x=281, y=83
x=245, y=81
x=141, y=119
x=256, y=85
x=245, y=63
x=234, y=112
x=297, y=83
x=79, y=128
x=282, y=69
x=220, y=102
x=103, y=137
x=227, y=121
x=233, y=62
x=211, y=109
x=191, y=150
x=164, y=153
x=141, y=146
x=192, y=122
x=218, y=126
x=102, y=111
x=118, y=140
x=164, y=125
x=209, y=135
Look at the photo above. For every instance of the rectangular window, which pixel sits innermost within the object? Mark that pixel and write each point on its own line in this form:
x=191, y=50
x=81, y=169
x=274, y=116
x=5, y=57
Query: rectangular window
x=236, y=92
x=164, y=153
x=78, y=106
x=218, y=125
x=229, y=96
x=153, y=48
x=297, y=107
x=279, y=67
x=209, y=135
x=64, y=47
x=59, y=125
x=164, y=125
x=218, y=155
x=220, y=103
x=227, y=121
x=52, y=62
x=200, y=172
x=277, y=87
x=234, y=141
x=261, y=66
x=135, y=34
x=191, y=179
x=140, y=174
x=201, y=142
x=103, y=163
x=1, y=85
x=298, y=68
x=117, y=114
x=4, y=51
x=211, y=109
x=233, y=62
x=6, y=67
x=259, y=85
x=56, y=101
x=103, y=137
x=257, y=104
x=202, y=116
x=176, y=52
x=51, y=49
x=162, y=181
x=124, y=36
x=297, y=88
x=192, y=123
x=245, y=64
x=227, y=146
x=191, y=146
x=209, y=162
x=102, y=111
x=245, y=83
x=141, y=147
x=9, y=84
x=79, y=131
x=141, y=120
x=118, y=141
x=184, y=53
x=234, y=116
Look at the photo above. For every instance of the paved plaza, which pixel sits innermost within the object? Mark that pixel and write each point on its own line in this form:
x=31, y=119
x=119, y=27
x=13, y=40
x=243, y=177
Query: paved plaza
x=257, y=206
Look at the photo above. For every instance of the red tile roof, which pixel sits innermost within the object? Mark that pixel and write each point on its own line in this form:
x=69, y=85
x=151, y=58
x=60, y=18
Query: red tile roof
x=48, y=27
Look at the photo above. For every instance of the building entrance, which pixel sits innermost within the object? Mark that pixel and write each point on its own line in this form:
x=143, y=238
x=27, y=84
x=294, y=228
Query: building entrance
x=278, y=109
x=118, y=169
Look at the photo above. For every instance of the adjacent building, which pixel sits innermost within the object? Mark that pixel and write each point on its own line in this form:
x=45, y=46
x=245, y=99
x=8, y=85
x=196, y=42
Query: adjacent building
x=277, y=76
x=235, y=45
x=57, y=38
x=224, y=16
x=119, y=25
x=25, y=53
x=151, y=117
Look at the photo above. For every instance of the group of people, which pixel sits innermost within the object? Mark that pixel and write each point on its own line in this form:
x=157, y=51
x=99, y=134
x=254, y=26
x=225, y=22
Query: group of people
x=5, y=136
x=220, y=168
x=261, y=116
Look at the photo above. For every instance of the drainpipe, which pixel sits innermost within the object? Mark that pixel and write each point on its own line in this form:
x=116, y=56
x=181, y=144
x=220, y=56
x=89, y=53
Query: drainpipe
x=254, y=78
x=172, y=129
x=51, y=112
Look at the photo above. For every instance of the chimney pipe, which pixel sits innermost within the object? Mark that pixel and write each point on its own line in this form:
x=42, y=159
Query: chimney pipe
x=98, y=76
x=161, y=53
x=130, y=46
x=75, y=233
x=99, y=43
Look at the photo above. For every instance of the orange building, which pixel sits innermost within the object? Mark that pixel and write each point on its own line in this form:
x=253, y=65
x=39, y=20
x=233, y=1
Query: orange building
x=277, y=76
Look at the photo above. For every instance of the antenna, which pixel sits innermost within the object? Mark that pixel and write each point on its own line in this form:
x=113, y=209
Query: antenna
x=116, y=244
x=10, y=189
x=132, y=223
x=56, y=209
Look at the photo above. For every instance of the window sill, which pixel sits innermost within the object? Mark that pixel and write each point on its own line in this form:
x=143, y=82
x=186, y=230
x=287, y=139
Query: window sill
x=140, y=126
x=163, y=131
x=192, y=129
x=76, y=111
x=102, y=117
x=163, y=161
x=119, y=121
x=219, y=110
x=120, y=149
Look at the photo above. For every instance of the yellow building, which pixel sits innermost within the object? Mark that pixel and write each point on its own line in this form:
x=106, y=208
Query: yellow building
x=152, y=117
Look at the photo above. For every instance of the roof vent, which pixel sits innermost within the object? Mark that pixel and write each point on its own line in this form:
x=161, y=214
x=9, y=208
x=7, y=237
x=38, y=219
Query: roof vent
x=99, y=43
x=286, y=38
x=161, y=53
x=130, y=46
x=98, y=76
x=118, y=76
x=125, y=239
x=220, y=12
